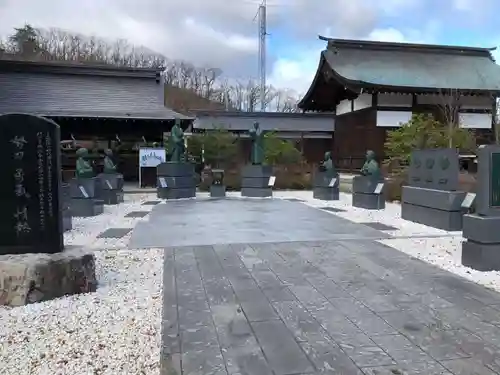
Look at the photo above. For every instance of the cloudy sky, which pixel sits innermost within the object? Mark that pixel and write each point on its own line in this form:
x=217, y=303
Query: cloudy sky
x=223, y=33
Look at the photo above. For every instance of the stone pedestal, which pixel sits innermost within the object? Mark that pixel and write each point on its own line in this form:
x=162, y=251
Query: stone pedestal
x=175, y=180
x=217, y=191
x=84, y=197
x=67, y=217
x=481, y=250
x=111, y=189
x=439, y=209
x=30, y=278
x=326, y=186
x=368, y=193
x=255, y=181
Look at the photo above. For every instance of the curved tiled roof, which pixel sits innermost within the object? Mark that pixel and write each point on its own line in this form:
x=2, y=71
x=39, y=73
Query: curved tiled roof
x=392, y=66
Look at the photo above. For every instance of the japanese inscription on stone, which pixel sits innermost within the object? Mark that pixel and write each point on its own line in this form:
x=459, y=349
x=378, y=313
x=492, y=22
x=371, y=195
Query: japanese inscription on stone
x=434, y=169
x=30, y=216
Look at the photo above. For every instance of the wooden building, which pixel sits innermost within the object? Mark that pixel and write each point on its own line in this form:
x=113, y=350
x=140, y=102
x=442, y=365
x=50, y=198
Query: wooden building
x=98, y=106
x=312, y=133
x=373, y=87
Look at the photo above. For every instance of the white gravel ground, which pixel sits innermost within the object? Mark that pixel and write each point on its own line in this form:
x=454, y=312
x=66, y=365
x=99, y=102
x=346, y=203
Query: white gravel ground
x=113, y=331
x=117, y=329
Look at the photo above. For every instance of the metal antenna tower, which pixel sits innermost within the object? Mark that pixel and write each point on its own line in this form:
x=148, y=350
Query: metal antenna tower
x=262, y=54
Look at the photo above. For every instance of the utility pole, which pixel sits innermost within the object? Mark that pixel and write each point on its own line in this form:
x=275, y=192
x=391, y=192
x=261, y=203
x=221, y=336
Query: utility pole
x=262, y=54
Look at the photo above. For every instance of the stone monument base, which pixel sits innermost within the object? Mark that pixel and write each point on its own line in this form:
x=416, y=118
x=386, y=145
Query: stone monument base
x=217, y=191
x=435, y=208
x=255, y=181
x=322, y=189
x=31, y=278
x=481, y=256
x=481, y=251
x=112, y=197
x=111, y=188
x=365, y=194
x=67, y=219
x=85, y=207
x=175, y=180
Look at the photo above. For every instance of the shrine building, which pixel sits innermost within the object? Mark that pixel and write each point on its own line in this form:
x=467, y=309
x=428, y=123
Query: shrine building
x=373, y=87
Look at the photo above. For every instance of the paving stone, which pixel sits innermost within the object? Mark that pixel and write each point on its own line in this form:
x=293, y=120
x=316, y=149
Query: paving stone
x=423, y=368
x=115, y=233
x=255, y=305
x=283, y=353
x=279, y=294
x=379, y=226
x=401, y=349
x=466, y=367
x=151, y=203
x=294, y=200
x=367, y=356
x=137, y=214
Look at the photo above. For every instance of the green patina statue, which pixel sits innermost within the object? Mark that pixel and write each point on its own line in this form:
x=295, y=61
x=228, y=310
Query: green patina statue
x=371, y=168
x=83, y=167
x=327, y=164
x=177, y=146
x=257, y=137
x=109, y=165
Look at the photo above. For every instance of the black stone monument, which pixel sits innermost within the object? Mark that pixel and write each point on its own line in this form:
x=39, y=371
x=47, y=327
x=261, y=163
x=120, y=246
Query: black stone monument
x=31, y=218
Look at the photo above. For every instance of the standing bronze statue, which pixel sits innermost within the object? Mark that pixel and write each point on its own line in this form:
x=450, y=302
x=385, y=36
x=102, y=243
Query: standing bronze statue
x=257, y=137
x=83, y=167
x=109, y=165
x=327, y=164
x=177, y=146
x=371, y=167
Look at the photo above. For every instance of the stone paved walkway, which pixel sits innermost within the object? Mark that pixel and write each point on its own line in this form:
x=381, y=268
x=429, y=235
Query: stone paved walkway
x=340, y=306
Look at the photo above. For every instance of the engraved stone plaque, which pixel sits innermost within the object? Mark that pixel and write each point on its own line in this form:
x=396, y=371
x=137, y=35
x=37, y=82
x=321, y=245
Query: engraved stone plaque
x=272, y=180
x=163, y=182
x=468, y=200
x=332, y=183
x=434, y=169
x=31, y=215
x=495, y=180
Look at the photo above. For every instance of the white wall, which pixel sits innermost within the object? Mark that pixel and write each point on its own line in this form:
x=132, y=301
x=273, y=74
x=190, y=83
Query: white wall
x=344, y=107
x=475, y=120
x=393, y=118
x=362, y=101
x=394, y=100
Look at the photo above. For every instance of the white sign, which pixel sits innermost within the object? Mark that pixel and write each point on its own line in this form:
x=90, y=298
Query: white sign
x=332, y=182
x=468, y=200
x=109, y=184
x=163, y=183
x=272, y=180
x=82, y=189
x=151, y=157
x=379, y=188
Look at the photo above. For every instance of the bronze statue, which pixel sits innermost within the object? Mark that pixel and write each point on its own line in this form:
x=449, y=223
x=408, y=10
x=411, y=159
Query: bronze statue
x=83, y=167
x=109, y=165
x=327, y=164
x=177, y=146
x=257, y=137
x=371, y=168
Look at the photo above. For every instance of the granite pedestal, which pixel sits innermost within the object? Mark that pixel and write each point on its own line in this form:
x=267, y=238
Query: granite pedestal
x=439, y=209
x=84, y=197
x=111, y=188
x=175, y=180
x=217, y=191
x=326, y=186
x=481, y=250
x=367, y=193
x=255, y=181
x=67, y=217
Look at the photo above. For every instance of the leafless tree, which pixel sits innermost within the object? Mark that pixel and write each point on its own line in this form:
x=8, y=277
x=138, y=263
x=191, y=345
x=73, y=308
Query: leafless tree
x=60, y=45
x=449, y=106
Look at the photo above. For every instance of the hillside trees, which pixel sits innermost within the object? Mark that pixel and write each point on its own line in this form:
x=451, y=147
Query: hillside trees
x=207, y=82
